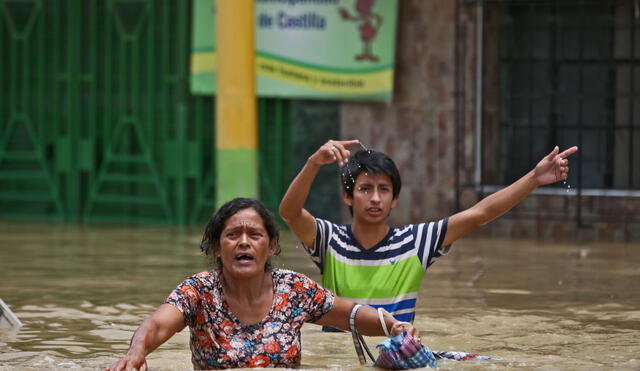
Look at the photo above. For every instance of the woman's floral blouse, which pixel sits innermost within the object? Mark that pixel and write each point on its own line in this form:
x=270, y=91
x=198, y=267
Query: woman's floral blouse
x=220, y=340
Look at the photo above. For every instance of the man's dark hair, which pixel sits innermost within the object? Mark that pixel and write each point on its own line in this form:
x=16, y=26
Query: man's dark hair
x=372, y=162
x=210, y=244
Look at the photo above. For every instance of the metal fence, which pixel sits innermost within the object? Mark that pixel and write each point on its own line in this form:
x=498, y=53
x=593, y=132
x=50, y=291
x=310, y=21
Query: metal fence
x=96, y=120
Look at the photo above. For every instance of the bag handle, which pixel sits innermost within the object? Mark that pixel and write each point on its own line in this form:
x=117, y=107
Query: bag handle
x=358, y=340
x=381, y=313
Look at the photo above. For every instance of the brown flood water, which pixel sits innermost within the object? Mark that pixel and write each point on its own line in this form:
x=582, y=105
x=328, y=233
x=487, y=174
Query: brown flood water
x=81, y=292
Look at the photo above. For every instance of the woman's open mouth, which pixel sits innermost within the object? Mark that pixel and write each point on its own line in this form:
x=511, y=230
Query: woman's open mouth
x=244, y=257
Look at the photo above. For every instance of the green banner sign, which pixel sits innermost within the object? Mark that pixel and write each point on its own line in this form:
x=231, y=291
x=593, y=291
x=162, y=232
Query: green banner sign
x=329, y=49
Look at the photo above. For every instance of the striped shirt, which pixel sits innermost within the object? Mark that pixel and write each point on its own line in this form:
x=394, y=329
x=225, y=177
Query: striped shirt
x=389, y=274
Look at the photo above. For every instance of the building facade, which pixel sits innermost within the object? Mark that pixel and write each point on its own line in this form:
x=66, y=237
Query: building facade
x=484, y=89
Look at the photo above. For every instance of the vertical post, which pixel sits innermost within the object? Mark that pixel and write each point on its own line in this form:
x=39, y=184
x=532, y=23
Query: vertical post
x=479, y=95
x=236, y=121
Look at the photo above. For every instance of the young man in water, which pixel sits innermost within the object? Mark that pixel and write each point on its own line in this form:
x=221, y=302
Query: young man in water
x=370, y=262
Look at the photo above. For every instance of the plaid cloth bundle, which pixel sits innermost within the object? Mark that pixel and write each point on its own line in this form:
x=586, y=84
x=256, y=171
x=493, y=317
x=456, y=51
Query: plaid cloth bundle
x=403, y=352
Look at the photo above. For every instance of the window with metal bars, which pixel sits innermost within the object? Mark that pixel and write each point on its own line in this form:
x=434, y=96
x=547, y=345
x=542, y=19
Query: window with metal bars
x=562, y=72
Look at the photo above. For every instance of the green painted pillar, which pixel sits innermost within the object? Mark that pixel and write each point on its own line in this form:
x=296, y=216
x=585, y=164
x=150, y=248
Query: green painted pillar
x=236, y=118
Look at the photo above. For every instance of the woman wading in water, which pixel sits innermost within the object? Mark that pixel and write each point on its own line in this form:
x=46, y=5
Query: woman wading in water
x=244, y=313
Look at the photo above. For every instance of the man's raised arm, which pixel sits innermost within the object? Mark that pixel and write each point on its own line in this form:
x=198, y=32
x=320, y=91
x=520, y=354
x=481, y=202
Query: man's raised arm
x=552, y=168
x=292, y=210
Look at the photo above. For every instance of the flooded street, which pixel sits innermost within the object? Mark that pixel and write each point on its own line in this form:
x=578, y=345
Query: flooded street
x=82, y=290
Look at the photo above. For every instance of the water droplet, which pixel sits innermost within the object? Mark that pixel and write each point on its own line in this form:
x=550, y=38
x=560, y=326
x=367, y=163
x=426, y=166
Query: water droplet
x=568, y=187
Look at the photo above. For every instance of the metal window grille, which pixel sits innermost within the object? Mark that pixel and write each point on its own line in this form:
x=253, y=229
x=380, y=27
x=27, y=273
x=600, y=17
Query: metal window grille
x=562, y=72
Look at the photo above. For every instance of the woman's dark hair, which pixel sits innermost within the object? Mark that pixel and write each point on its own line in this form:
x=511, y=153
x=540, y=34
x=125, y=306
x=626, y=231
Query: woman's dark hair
x=372, y=162
x=211, y=240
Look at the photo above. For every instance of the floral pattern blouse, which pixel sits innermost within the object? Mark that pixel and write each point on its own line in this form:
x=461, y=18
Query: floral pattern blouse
x=220, y=340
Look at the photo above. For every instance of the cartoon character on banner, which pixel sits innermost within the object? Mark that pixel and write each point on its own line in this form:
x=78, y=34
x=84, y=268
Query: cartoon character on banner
x=369, y=24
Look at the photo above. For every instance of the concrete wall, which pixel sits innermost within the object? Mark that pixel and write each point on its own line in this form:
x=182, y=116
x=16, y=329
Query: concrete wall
x=417, y=129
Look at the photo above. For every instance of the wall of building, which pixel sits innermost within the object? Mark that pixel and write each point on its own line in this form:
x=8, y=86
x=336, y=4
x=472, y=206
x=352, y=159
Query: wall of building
x=418, y=128
x=429, y=129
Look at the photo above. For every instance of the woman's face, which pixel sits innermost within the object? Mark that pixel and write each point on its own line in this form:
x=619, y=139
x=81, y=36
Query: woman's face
x=245, y=245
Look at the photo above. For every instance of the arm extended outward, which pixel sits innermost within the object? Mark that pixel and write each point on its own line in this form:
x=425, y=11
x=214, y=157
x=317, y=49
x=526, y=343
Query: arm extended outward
x=552, y=168
x=292, y=210
x=153, y=331
x=366, y=322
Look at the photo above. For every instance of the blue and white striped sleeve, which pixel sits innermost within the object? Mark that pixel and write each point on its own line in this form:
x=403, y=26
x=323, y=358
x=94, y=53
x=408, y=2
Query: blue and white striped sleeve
x=429, y=239
x=317, y=252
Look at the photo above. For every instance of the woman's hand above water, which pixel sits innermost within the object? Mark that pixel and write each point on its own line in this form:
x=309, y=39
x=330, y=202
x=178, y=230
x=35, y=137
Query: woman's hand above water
x=155, y=330
x=399, y=327
x=131, y=361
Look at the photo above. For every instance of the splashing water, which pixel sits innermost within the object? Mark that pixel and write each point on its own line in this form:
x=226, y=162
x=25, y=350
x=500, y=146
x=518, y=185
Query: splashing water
x=568, y=186
x=352, y=181
x=349, y=178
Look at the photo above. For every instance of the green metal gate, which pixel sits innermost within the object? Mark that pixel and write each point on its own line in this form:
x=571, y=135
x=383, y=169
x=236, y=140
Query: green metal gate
x=96, y=120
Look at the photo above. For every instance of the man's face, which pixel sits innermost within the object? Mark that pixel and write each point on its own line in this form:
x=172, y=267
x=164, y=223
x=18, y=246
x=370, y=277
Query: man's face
x=372, y=199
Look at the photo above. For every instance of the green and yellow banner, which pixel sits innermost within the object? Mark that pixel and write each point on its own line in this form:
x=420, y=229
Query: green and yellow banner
x=328, y=49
